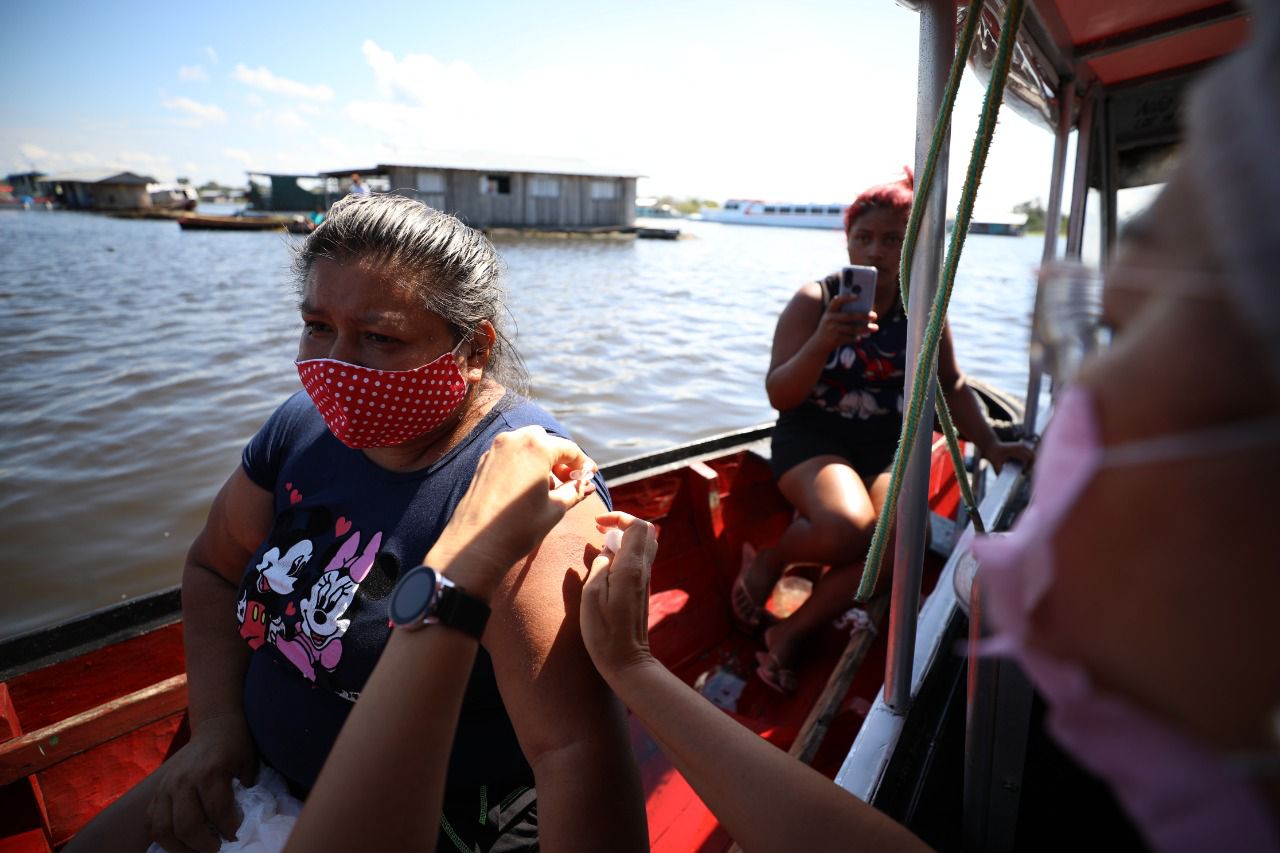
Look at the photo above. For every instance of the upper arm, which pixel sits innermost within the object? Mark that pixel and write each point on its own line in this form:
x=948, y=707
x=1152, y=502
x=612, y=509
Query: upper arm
x=550, y=687
x=796, y=323
x=949, y=375
x=238, y=522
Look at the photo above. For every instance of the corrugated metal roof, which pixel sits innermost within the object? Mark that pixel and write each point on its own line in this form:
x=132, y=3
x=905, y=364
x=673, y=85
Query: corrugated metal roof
x=489, y=162
x=98, y=177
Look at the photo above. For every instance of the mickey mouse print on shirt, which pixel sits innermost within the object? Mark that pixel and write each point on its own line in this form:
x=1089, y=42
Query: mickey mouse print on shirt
x=296, y=596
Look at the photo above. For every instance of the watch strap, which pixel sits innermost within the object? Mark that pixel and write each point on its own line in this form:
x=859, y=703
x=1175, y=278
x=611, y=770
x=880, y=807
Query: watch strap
x=459, y=609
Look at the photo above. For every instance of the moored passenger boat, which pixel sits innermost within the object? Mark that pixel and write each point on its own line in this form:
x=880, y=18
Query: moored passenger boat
x=786, y=214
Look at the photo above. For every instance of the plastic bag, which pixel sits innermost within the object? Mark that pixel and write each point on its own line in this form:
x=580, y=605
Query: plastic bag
x=269, y=811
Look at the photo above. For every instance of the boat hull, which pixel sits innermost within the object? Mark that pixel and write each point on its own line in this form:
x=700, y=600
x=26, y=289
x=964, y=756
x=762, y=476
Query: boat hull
x=231, y=223
x=89, y=708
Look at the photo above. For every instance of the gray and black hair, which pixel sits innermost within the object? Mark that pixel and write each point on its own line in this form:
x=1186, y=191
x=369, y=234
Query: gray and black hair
x=454, y=269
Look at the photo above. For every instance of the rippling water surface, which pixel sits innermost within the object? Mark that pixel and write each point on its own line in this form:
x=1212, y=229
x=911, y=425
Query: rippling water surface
x=136, y=359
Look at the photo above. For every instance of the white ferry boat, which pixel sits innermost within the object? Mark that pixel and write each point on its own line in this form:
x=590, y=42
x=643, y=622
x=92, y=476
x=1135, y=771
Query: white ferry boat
x=738, y=211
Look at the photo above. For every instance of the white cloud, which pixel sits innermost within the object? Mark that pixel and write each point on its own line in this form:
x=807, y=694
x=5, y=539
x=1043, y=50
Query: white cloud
x=419, y=77
x=211, y=53
x=310, y=109
x=240, y=156
x=198, y=114
x=193, y=72
x=427, y=105
x=262, y=78
x=253, y=99
x=34, y=152
x=154, y=165
x=291, y=120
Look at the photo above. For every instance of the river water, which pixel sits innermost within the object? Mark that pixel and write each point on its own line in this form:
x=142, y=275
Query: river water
x=137, y=359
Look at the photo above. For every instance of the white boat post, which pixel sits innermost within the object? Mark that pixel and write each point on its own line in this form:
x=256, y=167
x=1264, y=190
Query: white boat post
x=937, y=51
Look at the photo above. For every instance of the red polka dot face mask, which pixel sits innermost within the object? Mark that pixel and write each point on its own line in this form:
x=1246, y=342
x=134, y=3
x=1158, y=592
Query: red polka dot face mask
x=365, y=407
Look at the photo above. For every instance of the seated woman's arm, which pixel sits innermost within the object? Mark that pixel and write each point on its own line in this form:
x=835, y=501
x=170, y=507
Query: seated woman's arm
x=572, y=729
x=764, y=798
x=967, y=411
x=386, y=771
x=805, y=335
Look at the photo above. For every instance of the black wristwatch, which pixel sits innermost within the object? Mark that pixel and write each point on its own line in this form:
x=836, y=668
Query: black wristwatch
x=426, y=597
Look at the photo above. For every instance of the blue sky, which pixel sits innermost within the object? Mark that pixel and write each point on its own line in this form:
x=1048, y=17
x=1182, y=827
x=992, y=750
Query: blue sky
x=808, y=101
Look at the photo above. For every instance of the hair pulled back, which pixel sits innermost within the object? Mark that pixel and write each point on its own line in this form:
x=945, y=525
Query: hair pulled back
x=895, y=195
x=454, y=269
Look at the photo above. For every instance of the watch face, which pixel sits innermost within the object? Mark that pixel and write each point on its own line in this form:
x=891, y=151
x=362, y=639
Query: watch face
x=413, y=596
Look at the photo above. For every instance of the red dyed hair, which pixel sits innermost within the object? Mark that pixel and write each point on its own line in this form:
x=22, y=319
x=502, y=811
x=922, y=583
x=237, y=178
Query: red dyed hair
x=896, y=195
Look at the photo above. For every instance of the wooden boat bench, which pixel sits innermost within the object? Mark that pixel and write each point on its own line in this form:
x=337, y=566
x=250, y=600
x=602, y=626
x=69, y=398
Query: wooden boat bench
x=78, y=733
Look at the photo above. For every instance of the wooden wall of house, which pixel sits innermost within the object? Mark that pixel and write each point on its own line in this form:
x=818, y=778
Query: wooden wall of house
x=120, y=196
x=534, y=200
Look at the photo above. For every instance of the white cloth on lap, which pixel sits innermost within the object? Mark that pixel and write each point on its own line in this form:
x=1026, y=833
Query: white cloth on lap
x=269, y=811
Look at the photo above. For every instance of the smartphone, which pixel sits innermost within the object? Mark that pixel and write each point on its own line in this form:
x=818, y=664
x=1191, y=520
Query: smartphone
x=860, y=282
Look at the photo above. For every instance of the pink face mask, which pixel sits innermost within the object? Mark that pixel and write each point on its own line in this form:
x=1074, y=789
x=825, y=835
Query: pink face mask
x=1181, y=795
x=365, y=407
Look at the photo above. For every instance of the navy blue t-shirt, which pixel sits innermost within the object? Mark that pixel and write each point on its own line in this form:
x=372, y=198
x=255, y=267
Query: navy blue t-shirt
x=313, y=599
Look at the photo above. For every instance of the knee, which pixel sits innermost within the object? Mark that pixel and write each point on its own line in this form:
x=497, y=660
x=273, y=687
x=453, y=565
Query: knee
x=844, y=536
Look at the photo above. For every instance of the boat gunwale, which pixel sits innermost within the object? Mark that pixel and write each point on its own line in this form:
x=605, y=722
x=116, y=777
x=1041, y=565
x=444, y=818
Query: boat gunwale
x=43, y=647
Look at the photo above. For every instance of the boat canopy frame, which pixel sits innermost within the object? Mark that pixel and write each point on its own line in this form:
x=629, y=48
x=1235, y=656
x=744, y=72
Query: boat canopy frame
x=1127, y=133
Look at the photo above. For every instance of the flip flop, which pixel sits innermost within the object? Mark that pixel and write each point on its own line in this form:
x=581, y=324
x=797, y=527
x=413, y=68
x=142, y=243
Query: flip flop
x=774, y=674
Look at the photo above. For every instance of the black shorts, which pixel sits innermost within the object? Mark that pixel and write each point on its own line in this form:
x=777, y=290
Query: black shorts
x=478, y=824
x=807, y=431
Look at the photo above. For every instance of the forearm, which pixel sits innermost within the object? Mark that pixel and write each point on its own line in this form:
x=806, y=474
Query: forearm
x=603, y=774
x=386, y=772
x=217, y=657
x=968, y=415
x=764, y=798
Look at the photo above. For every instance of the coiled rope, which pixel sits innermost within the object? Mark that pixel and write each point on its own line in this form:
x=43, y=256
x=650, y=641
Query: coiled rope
x=938, y=311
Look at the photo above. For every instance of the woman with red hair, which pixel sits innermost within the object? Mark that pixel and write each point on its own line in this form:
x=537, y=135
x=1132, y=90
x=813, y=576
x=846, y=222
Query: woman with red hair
x=836, y=379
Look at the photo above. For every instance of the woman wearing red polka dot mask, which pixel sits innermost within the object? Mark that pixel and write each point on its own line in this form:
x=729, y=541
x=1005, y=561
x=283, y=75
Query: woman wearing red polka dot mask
x=386, y=375
x=408, y=381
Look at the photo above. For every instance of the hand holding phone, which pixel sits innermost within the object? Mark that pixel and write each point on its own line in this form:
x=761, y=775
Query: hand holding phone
x=860, y=283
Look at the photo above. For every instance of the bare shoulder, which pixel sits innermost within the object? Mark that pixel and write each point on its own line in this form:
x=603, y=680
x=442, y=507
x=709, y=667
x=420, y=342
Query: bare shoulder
x=541, y=594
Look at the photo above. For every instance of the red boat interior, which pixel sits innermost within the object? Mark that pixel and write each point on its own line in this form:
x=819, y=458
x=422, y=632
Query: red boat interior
x=706, y=512
x=77, y=734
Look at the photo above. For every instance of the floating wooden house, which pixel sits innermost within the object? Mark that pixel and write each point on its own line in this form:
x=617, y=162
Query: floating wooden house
x=25, y=183
x=552, y=195
x=98, y=190
x=289, y=193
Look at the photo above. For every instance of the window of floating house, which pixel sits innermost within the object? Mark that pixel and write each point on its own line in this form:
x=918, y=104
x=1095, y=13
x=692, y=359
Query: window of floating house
x=604, y=190
x=430, y=182
x=495, y=185
x=544, y=187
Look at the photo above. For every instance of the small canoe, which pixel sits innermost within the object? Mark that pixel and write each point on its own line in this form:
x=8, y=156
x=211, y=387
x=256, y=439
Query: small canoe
x=88, y=708
x=215, y=222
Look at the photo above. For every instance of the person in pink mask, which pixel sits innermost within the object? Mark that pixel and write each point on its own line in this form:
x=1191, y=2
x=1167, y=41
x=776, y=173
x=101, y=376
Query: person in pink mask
x=407, y=380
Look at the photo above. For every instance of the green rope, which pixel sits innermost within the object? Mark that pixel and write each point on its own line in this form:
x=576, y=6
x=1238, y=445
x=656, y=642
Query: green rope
x=938, y=311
